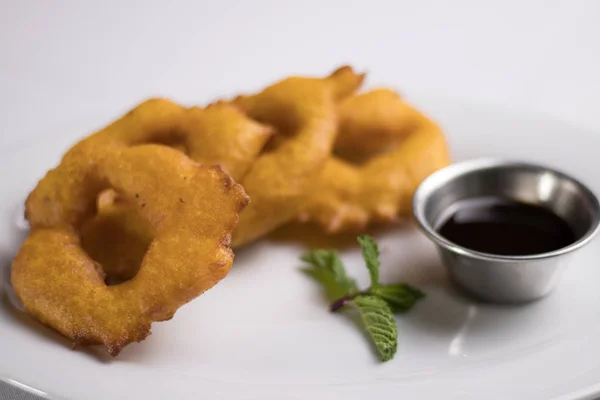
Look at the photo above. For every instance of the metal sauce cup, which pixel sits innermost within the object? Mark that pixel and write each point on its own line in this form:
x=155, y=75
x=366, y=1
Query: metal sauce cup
x=499, y=278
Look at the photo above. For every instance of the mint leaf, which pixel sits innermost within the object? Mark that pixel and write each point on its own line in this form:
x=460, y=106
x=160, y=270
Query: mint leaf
x=370, y=252
x=380, y=324
x=327, y=268
x=400, y=297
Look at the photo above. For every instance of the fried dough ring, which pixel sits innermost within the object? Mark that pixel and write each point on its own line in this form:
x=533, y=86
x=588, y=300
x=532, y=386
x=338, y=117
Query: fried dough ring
x=219, y=134
x=192, y=211
x=304, y=112
x=349, y=196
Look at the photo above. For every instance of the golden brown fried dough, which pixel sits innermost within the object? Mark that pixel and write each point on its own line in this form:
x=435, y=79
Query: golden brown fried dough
x=191, y=210
x=349, y=196
x=304, y=112
x=217, y=135
x=372, y=123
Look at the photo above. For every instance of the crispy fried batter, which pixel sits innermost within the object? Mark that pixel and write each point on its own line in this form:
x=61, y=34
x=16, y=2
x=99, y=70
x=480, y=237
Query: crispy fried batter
x=222, y=134
x=304, y=112
x=191, y=210
x=217, y=135
x=349, y=196
x=372, y=123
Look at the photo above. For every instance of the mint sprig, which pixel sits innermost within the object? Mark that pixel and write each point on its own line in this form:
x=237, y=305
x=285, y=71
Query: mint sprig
x=376, y=304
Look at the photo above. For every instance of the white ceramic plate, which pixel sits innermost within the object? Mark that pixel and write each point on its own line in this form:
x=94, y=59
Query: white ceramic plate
x=265, y=332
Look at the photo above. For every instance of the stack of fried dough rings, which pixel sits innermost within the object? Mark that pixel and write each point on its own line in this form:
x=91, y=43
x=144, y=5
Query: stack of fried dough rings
x=140, y=217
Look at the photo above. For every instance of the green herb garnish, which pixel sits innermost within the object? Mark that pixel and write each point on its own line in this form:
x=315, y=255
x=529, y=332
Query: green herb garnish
x=370, y=253
x=376, y=304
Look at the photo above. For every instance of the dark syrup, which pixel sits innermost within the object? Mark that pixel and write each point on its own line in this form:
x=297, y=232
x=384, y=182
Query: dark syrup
x=505, y=227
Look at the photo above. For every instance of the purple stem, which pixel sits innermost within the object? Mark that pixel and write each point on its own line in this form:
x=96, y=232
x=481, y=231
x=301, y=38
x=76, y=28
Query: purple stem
x=341, y=302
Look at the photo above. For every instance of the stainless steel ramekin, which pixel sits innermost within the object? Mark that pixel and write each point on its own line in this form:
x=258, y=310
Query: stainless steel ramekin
x=499, y=278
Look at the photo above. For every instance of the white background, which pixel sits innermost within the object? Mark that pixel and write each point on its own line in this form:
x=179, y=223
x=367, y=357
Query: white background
x=98, y=58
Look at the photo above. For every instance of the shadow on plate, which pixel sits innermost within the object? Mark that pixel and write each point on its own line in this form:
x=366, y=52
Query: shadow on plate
x=43, y=332
x=11, y=311
x=451, y=314
x=12, y=308
x=311, y=236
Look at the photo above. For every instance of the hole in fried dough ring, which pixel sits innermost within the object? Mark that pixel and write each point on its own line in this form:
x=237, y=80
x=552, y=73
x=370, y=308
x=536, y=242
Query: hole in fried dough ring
x=403, y=147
